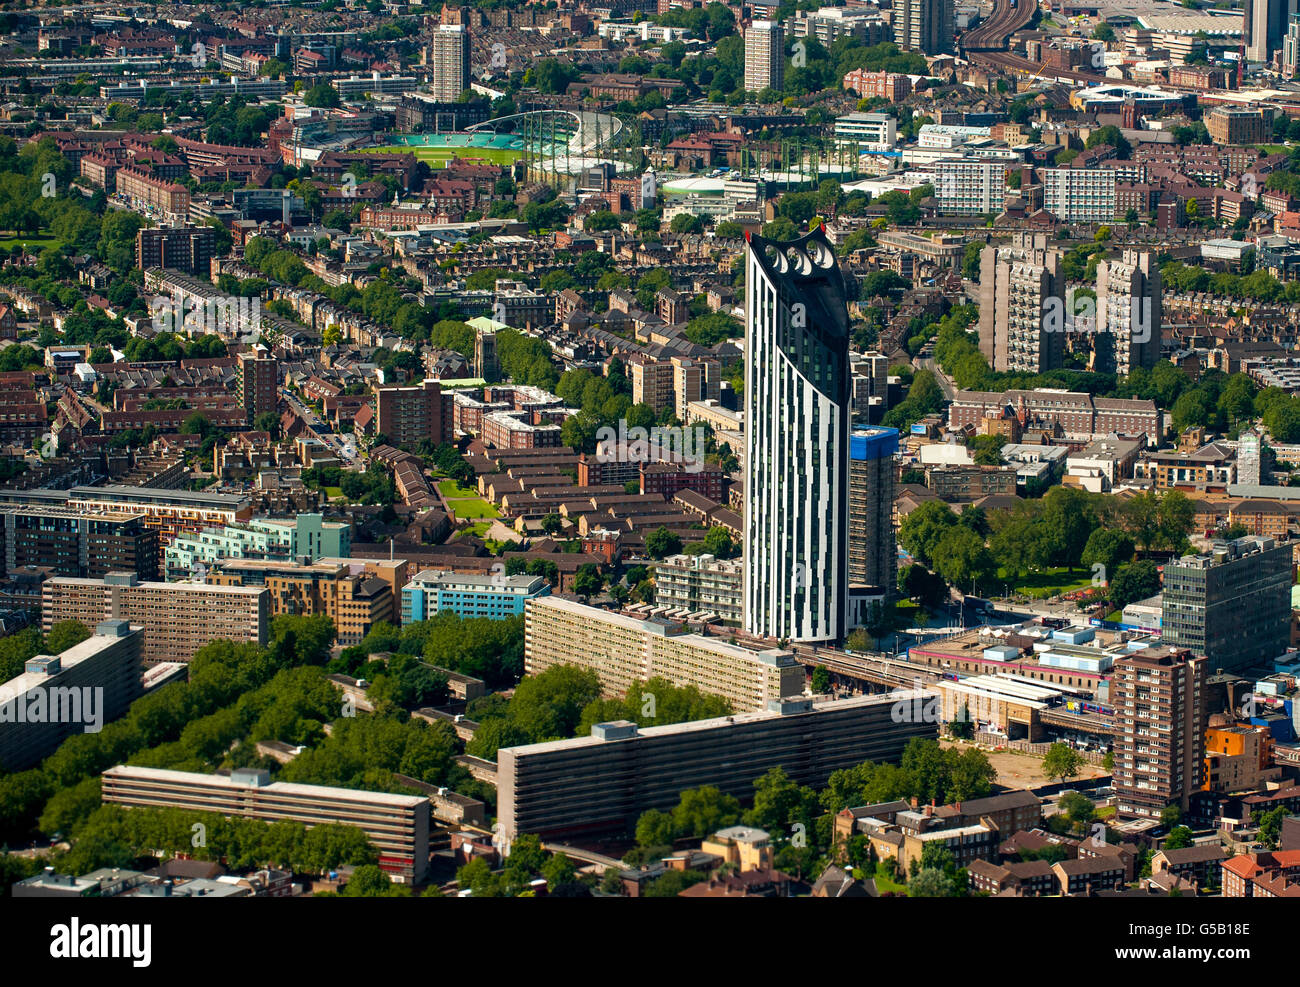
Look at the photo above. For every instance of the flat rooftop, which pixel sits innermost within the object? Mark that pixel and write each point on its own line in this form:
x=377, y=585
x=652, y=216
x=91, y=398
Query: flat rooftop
x=71, y=658
x=276, y=787
x=722, y=722
x=157, y=495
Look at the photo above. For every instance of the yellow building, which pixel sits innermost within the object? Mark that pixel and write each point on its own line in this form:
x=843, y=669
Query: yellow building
x=338, y=588
x=1238, y=758
x=742, y=846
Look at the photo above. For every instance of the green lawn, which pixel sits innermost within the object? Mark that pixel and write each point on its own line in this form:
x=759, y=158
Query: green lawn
x=1273, y=148
x=472, y=508
x=451, y=489
x=478, y=528
x=437, y=157
x=33, y=240
x=1048, y=582
x=332, y=492
x=885, y=883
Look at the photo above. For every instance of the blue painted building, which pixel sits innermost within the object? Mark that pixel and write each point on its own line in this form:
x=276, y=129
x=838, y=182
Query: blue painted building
x=496, y=596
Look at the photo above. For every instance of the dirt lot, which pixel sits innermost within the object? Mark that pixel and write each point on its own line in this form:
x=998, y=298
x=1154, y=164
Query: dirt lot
x=1017, y=770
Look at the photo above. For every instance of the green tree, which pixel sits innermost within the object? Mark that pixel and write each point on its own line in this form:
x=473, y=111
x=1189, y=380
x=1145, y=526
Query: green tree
x=323, y=95
x=1270, y=827
x=662, y=542
x=930, y=883
x=654, y=828
x=821, y=680
x=1108, y=548
x=1078, y=809
x=587, y=581
x=1062, y=761
x=705, y=810
x=64, y=635
x=1111, y=136
x=1138, y=581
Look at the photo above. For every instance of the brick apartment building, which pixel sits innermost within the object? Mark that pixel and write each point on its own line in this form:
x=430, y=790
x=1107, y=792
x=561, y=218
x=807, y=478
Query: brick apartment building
x=178, y=618
x=157, y=196
x=187, y=248
x=408, y=415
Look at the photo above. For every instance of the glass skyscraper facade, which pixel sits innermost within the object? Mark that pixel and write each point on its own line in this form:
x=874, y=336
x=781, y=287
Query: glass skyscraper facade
x=797, y=423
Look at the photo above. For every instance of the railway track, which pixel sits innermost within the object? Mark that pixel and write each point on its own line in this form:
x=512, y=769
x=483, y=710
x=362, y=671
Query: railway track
x=1007, y=17
x=1015, y=63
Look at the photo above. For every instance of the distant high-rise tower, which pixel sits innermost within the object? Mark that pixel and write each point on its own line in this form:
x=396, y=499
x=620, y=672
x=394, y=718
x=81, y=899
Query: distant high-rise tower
x=873, y=557
x=1231, y=604
x=258, y=380
x=1264, y=27
x=1160, y=709
x=448, y=60
x=1128, y=313
x=1250, y=457
x=1017, y=286
x=797, y=424
x=926, y=26
x=764, y=56
x=1291, y=48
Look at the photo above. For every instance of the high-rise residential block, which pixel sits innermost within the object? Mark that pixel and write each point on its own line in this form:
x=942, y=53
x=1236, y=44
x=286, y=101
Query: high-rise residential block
x=1080, y=195
x=397, y=825
x=77, y=542
x=604, y=782
x=873, y=553
x=410, y=415
x=970, y=188
x=1231, y=604
x=652, y=382
x=1291, y=48
x=1020, y=286
x=77, y=691
x=797, y=421
x=187, y=248
x=1129, y=313
x=695, y=379
x=1159, y=699
x=764, y=56
x=258, y=382
x=701, y=584
x=927, y=26
x=624, y=650
x=178, y=618
x=448, y=60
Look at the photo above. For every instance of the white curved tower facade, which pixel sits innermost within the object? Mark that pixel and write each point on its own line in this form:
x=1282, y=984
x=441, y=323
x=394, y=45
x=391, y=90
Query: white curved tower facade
x=797, y=421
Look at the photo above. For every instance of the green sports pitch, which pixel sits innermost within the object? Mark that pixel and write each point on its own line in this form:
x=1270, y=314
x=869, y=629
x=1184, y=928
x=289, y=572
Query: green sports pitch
x=437, y=157
x=438, y=149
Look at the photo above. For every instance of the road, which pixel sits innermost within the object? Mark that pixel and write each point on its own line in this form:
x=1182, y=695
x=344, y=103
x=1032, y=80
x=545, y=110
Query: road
x=945, y=385
x=343, y=446
x=584, y=856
